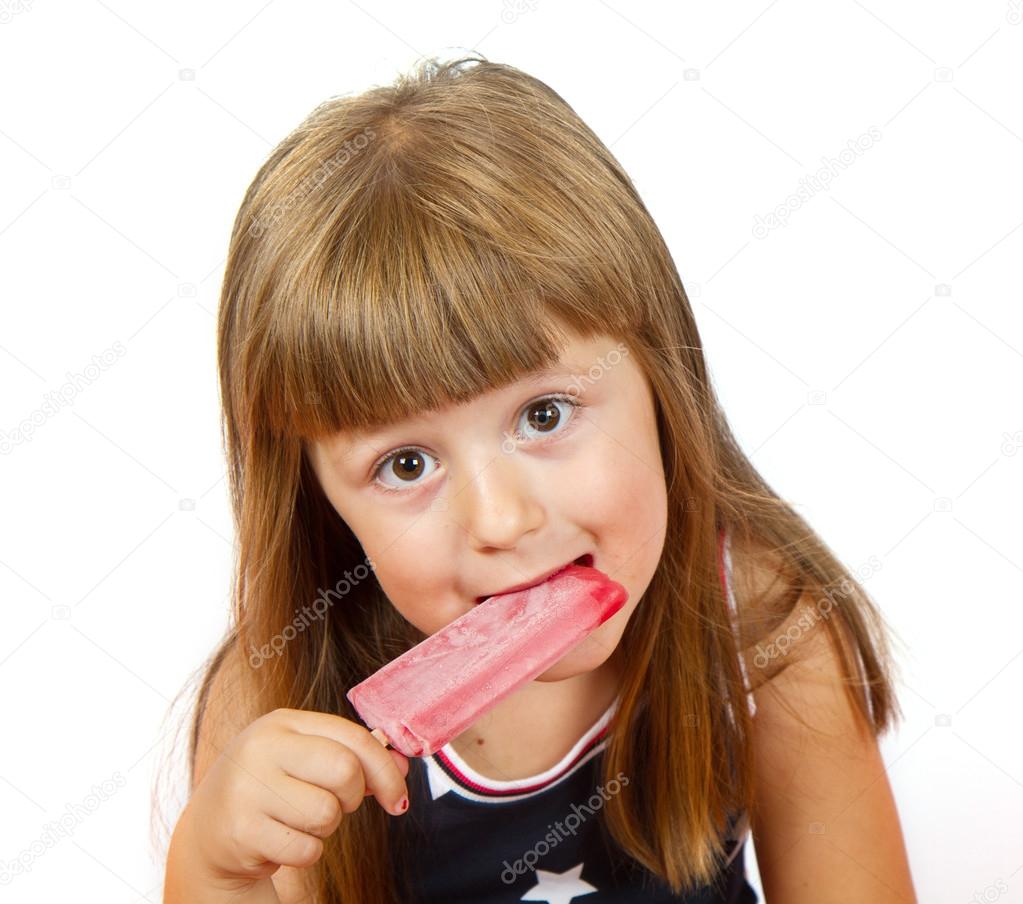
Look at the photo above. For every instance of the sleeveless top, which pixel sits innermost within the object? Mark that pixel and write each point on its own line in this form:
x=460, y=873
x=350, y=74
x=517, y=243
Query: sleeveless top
x=476, y=840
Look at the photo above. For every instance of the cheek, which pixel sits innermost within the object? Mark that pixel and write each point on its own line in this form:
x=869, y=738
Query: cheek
x=618, y=490
x=409, y=552
x=412, y=566
x=628, y=507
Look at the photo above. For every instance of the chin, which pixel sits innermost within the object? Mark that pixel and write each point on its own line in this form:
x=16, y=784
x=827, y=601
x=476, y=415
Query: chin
x=585, y=657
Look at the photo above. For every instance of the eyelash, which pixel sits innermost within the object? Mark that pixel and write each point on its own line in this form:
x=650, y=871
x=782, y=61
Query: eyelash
x=572, y=401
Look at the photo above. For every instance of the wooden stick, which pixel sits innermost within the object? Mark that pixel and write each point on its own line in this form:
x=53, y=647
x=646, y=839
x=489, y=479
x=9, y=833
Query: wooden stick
x=381, y=737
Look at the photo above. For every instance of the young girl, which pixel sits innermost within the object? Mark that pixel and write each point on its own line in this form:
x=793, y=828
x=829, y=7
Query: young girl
x=456, y=355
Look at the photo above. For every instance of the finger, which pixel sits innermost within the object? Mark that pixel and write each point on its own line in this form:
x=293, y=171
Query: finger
x=305, y=807
x=327, y=764
x=401, y=761
x=283, y=844
x=403, y=766
x=380, y=769
x=399, y=757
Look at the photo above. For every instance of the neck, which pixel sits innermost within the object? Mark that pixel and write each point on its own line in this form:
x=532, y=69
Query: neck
x=544, y=709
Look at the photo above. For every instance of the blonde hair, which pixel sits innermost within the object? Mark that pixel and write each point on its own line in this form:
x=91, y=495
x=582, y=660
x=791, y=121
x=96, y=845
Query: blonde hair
x=421, y=243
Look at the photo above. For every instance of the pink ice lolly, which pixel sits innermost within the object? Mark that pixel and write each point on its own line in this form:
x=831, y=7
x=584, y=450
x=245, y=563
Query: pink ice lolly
x=433, y=692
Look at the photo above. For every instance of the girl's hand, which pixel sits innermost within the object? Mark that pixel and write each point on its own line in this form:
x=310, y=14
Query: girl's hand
x=281, y=786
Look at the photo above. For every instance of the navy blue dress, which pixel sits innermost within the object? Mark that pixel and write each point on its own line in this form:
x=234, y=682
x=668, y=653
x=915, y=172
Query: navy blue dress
x=480, y=841
x=475, y=840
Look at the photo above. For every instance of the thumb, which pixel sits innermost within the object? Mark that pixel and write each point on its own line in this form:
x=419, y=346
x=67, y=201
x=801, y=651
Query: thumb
x=401, y=761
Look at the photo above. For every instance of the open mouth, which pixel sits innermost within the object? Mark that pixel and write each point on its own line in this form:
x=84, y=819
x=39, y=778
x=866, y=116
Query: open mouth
x=585, y=560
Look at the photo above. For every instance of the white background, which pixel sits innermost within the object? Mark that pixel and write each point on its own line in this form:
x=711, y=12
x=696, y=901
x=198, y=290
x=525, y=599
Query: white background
x=868, y=352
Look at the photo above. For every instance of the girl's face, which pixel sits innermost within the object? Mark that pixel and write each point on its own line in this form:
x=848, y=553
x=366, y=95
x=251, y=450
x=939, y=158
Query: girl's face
x=472, y=499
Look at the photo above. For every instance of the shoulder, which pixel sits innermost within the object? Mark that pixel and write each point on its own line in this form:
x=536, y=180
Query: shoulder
x=778, y=622
x=824, y=814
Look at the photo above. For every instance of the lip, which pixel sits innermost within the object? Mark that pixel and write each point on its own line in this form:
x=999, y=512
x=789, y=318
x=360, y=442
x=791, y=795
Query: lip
x=525, y=585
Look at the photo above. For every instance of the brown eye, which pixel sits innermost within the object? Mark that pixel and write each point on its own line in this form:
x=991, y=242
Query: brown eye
x=405, y=466
x=408, y=465
x=544, y=415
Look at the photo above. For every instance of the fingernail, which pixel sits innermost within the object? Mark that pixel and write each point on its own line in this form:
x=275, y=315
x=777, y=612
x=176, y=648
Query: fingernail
x=403, y=805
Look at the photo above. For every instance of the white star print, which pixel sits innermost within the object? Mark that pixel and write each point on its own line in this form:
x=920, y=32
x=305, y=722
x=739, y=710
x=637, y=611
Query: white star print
x=559, y=888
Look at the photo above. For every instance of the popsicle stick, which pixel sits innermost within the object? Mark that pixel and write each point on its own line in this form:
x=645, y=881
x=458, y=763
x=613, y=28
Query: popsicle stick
x=381, y=737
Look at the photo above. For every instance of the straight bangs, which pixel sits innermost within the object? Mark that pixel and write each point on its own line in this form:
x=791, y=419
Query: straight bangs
x=446, y=258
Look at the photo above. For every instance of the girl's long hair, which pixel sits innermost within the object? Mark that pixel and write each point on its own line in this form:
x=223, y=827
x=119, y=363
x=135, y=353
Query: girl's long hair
x=424, y=242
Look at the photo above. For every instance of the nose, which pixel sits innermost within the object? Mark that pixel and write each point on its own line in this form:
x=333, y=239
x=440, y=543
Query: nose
x=499, y=502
